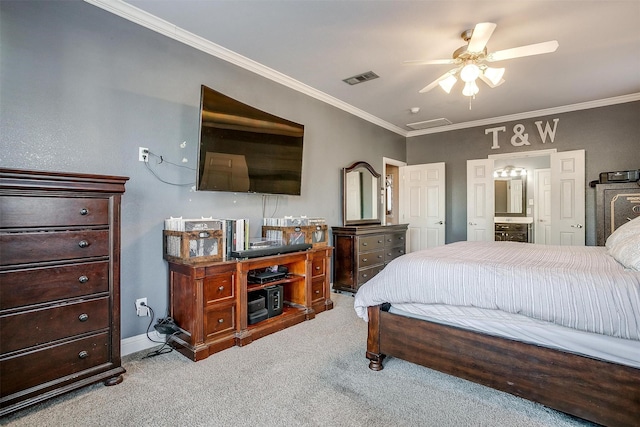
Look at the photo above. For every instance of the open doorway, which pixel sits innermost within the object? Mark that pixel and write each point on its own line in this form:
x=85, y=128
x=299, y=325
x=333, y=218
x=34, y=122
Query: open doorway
x=391, y=183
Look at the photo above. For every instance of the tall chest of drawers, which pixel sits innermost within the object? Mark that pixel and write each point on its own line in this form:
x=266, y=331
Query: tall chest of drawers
x=363, y=251
x=59, y=284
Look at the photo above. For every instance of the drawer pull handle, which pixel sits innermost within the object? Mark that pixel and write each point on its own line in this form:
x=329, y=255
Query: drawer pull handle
x=83, y=244
x=83, y=354
x=379, y=256
x=220, y=320
x=83, y=317
x=365, y=244
x=401, y=237
x=365, y=275
x=365, y=259
x=84, y=211
x=83, y=279
x=221, y=288
x=317, y=292
x=379, y=241
x=318, y=268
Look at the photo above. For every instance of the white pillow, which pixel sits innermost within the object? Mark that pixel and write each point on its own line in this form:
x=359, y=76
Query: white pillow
x=627, y=251
x=631, y=228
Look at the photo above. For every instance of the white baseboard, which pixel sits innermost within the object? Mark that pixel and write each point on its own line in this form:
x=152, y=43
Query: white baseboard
x=139, y=343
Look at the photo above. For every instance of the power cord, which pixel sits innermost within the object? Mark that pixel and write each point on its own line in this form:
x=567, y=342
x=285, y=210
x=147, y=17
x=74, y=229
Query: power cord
x=165, y=348
x=162, y=160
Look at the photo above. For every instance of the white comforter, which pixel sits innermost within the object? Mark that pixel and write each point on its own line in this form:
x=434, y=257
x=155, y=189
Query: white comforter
x=574, y=286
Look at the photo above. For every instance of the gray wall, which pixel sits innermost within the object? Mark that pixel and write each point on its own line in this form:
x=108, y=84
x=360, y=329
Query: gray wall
x=609, y=136
x=82, y=89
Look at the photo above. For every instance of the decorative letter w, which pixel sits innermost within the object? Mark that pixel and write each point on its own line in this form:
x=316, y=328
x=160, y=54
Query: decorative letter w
x=547, y=130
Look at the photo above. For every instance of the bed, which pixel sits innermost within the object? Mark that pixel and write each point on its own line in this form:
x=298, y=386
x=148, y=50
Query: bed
x=556, y=325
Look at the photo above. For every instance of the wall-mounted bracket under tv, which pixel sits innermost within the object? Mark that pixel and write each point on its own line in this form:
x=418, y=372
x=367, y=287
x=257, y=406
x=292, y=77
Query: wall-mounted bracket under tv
x=244, y=149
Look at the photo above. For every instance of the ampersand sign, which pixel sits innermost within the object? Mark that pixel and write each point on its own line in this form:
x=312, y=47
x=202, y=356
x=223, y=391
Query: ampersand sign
x=519, y=138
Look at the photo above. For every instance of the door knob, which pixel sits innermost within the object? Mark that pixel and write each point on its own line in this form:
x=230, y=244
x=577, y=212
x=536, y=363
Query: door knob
x=576, y=225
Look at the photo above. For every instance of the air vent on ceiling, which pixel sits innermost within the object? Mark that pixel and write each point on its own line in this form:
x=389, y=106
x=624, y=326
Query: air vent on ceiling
x=429, y=124
x=361, y=78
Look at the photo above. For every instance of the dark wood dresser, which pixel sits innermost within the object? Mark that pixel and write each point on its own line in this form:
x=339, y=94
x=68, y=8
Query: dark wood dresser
x=59, y=284
x=615, y=205
x=363, y=251
x=513, y=232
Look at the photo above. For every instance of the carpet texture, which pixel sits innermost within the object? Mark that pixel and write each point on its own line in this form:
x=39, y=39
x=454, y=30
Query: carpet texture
x=312, y=374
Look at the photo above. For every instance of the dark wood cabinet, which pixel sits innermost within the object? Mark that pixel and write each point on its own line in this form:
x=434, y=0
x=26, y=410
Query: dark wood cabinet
x=59, y=284
x=615, y=205
x=209, y=300
x=361, y=252
x=513, y=232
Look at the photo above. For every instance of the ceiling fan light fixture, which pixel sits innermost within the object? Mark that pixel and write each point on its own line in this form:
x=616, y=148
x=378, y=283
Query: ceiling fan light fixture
x=469, y=72
x=447, y=84
x=494, y=75
x=470, y=88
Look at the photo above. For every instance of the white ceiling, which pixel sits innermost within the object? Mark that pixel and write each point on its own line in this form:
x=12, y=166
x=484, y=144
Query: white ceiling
x=313, y=45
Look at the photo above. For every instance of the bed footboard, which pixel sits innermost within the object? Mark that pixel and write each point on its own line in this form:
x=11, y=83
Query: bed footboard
x=595, y=390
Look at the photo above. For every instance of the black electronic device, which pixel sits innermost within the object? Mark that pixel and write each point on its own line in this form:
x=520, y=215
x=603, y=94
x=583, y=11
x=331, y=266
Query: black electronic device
x=265, y=276
x=166, y=326
x=255, y=303
x=273, y=299
x=617, y=177
x=271, y=250
x=620, y=176
x=244, y=149
x=258, y=316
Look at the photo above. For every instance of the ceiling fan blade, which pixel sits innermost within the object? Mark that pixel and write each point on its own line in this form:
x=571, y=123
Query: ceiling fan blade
x=429, y=62
x=489, y=82
x=481, y=34
x=518, y=52
x=436, y=81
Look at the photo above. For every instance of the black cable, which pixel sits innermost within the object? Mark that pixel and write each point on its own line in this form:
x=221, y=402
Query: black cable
x=165, y=343
x=162, y=160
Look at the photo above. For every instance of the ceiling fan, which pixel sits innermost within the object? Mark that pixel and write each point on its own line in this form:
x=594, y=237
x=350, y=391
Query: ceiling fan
x=470, y=60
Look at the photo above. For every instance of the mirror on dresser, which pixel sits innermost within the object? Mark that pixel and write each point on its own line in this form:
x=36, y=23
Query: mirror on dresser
x=510, y=191
x=363, y=246
x=360, y=196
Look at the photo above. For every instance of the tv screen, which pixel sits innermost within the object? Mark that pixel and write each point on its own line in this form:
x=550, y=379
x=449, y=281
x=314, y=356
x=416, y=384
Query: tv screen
x=244, y=149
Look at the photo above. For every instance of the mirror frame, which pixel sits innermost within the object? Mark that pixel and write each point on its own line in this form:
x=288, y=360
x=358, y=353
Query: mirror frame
x=524, y=200
x=365, y=221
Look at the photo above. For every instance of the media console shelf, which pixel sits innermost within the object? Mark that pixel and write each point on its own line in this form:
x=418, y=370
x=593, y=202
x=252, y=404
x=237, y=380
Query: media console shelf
x=209, y=300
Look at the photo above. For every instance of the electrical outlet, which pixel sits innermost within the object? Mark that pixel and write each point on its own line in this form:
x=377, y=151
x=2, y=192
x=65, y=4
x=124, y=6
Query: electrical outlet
x=143, y=154
x=141, y=307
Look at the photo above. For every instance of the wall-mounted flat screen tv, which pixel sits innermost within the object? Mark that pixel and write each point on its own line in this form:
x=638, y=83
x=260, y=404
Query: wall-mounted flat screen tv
x=244, y=149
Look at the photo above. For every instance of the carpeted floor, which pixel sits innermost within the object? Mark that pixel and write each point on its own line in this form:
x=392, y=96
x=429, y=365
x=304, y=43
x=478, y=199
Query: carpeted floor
x=312, y=374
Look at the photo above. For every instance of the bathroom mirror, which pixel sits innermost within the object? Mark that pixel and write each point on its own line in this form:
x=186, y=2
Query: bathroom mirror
x=361, y=195
x=511, y=196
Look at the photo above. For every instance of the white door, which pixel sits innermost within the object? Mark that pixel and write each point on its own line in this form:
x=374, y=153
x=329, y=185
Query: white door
x=567, y=198
x=422, y=199
x=480, y=200
x=542, y=203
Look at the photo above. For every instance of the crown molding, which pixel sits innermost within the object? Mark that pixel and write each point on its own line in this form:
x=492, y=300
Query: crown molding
x=527, y=115
x=140, y=17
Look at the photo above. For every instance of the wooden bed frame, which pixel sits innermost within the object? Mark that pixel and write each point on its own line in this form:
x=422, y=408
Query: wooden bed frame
x=595, y=390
